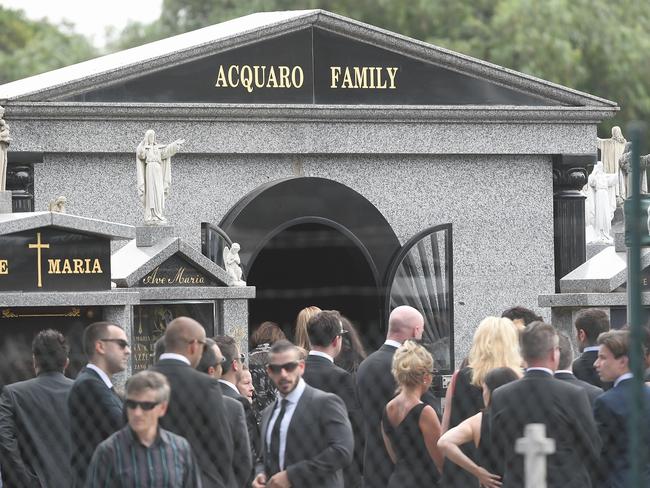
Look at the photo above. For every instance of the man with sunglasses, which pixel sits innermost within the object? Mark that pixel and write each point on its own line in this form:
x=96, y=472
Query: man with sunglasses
x=96, y=410
x=306, y=435
x=142, y=453
x=196, y=410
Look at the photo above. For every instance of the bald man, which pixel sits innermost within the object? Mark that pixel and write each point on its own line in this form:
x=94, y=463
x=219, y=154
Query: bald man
x=376, y=386
x=196, y=408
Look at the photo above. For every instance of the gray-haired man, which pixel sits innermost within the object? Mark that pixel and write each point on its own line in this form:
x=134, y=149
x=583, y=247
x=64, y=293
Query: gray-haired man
x=142, y=453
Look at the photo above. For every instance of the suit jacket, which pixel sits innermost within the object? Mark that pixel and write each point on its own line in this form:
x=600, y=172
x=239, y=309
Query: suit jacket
x=612, y=411
x=324, y=375
x=375, y=388
x=95, y=413
x=319, y=441
x=583, y=369
x=35, y=432
x=592, y=391
x=196, y=412
x=243, y=464
x=564, y=409
x=252, y=431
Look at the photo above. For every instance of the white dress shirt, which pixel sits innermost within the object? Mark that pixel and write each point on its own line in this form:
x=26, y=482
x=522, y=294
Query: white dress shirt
x=107, y=381
x=546, y=370
x=624, y=376
x=321, y=354
x=229, y=384
x=177, y=357
x=293, y=398
x=391, y=342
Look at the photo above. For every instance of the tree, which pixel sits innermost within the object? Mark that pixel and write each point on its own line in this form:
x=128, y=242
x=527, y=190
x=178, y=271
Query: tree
x=30, y=47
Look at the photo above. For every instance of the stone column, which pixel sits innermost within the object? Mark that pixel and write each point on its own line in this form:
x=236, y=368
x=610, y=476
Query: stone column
x=570, y=172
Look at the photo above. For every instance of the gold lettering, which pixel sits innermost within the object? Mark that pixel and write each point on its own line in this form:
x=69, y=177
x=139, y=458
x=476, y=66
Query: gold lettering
x=246, y=77
x=284, y=77
x=272, y=79
x=230, y=70
x=335, y=72
x=97, y=267
x=4, y=266
x=347, y=79
x=78, y=266
x=392, y=72
x=54, y=266
x=259, y=83
x=381, y=83
x=294, y=78
x=67, y=269
x=221, y=78
x=360, y=77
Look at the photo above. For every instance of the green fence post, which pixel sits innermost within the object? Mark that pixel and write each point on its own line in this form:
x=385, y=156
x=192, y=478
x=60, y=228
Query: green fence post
x=635, y=313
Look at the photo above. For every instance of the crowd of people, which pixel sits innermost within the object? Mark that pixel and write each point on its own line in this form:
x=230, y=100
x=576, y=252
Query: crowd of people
x=319, y=412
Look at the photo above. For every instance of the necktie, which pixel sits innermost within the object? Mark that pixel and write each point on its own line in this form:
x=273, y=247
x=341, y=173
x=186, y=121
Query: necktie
x=274, y=448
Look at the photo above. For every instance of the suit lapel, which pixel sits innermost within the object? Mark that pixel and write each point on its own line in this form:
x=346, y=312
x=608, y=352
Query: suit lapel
x=266, y=416
x=297, y=423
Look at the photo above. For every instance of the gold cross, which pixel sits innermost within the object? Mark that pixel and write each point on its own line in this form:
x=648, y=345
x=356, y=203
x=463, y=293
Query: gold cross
x=38, y=246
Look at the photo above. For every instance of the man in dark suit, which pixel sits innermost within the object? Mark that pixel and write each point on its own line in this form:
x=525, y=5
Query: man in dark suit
x=306, y=436
x=95, y=409
x=196, y=409
x=325, y=331
x=564, y=373
x=612, y=411
x=539, y=398
x=376, y=386
x=589, y=324
x=34, y=421
x=243, y=454
x=230, y=375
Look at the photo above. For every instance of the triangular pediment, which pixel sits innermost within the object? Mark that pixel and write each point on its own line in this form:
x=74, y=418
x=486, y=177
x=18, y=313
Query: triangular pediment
x=301, y=57
x=168, y=263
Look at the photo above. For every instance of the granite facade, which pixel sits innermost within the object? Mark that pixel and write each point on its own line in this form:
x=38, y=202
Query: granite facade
x=500, y=258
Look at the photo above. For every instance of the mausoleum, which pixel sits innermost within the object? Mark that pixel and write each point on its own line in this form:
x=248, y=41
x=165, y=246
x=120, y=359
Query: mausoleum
x=358, y=169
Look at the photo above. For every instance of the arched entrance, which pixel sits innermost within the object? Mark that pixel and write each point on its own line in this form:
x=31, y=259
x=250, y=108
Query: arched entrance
x=314, y=264
x=313, y=241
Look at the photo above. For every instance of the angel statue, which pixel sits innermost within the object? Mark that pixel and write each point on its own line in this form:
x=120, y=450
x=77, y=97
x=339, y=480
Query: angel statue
x=232, y=263
x=153, y=163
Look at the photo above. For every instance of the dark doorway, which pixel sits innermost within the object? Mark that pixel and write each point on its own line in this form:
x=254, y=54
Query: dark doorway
x=314, y=264
x=19, y=326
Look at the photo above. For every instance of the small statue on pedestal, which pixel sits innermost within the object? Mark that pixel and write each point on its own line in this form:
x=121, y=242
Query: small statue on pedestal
x=153, y=163
x=232, y=263
x=57, y=205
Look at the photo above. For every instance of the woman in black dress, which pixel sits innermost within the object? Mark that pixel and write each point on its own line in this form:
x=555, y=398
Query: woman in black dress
x=476, y=429
x=411, y=428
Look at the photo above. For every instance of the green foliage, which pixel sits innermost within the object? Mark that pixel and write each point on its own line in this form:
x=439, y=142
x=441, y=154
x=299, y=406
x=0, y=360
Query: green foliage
x=28, y=47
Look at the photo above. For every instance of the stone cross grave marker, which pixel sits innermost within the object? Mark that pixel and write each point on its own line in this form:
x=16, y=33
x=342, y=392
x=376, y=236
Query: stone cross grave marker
x=535, y=446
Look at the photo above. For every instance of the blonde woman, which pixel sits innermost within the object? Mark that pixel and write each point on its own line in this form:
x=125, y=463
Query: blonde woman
x=410, y=428
x=301, y=339
x=476, y=429
x=495, y=345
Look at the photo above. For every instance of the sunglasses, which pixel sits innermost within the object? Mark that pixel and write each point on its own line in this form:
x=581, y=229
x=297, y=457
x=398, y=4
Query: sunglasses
x=288, y=367
x=133, y=404
x=120, y=342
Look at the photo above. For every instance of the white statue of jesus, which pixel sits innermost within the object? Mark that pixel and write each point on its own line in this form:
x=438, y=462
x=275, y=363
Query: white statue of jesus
x=154, y=176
